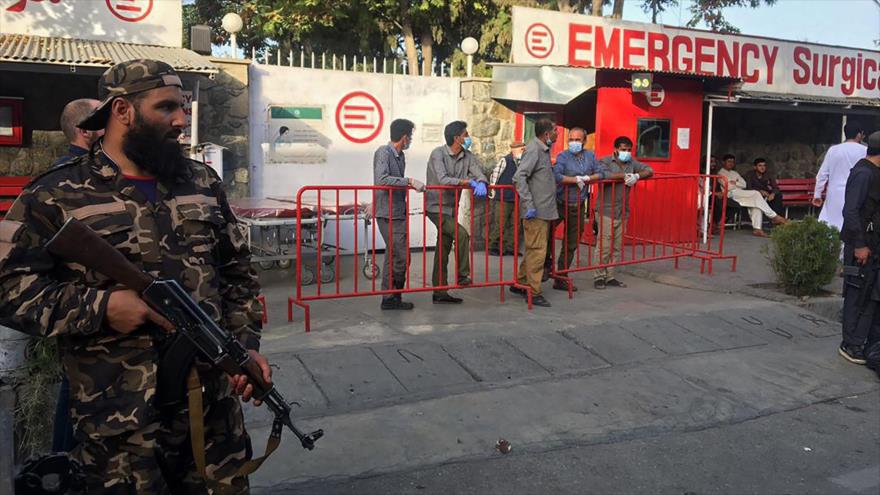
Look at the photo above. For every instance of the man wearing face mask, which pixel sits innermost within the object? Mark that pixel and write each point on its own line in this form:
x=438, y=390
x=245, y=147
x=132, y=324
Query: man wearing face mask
x=169, y=216
x=536, y=185
x=574, y=169
x=504, y=215
x=612, y=208
x=452, y=164
x=389, y=165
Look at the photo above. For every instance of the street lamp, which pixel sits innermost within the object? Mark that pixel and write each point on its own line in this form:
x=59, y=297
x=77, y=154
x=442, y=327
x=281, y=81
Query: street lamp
x=470, y=46
x=232, y=24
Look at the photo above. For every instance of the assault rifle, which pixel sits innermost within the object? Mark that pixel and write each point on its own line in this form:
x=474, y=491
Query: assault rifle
x=197, y=333
x=867, y=278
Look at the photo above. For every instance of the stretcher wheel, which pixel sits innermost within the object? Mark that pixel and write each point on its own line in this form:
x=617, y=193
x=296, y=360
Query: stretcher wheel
x=266, y=265
x=284, y=264
x=308, y=275
x=371, y=271
x=328, y=274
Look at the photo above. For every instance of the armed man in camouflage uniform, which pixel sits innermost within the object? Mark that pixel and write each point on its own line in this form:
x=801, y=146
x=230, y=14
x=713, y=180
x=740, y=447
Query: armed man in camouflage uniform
x=168, y=215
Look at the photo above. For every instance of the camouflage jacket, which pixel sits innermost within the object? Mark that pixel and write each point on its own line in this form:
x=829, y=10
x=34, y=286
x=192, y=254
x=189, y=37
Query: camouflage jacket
x=189, y=234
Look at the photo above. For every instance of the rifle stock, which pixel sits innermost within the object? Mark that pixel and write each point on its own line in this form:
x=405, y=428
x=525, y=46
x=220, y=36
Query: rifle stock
x=76, y=242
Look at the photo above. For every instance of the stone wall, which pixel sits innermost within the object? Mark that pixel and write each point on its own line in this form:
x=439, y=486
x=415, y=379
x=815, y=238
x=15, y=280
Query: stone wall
x=490, y=123
x=223, y=120
x=491, y=126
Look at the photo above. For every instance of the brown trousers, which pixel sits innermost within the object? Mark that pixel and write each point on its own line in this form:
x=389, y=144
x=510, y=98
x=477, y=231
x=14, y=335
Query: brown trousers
x=535, y=232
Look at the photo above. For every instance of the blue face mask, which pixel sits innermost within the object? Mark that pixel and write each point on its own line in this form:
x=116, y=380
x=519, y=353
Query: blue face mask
x=466, y=144
x=575, y=147
x=624, y=156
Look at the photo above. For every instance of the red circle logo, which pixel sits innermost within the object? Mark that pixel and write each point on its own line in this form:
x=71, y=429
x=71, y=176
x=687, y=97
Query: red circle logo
x=656, y=96
x=359, y=117
x=539, y=40
x=130, y=10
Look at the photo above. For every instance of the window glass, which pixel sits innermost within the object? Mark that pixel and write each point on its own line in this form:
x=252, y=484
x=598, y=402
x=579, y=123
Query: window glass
x=652, y=139
x=6, y=120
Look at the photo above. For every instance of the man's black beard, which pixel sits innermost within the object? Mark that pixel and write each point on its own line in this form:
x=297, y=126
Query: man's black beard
x=154, y=151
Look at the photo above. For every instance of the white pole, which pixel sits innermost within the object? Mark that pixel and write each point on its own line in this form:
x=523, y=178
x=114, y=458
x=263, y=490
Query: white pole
x=290, y=57
x=194, y=136
x=334, y=61
x=843, y=128
x=279, y=56
x=268, y=58
x=302, y=58
x=706, y=192
x=384, y=65
x=375, y=66
x=233, y=42
x=313, y=60
x=323, y=60
x=344, y=62
x=253, y=54
x=470, y=66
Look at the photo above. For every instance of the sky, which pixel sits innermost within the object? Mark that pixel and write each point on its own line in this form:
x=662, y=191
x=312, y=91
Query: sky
x=853, y=23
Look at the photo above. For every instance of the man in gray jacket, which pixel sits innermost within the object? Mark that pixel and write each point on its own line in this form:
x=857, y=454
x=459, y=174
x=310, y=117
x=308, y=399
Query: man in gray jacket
x=536, y=186
x=452, y=164
x=389, y=165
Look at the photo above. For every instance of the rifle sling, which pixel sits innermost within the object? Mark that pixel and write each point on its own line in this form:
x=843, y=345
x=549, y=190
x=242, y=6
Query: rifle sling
x=197, y=436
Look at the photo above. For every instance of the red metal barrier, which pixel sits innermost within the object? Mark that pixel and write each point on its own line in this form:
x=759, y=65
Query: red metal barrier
x=667, y=220
x=338, y=205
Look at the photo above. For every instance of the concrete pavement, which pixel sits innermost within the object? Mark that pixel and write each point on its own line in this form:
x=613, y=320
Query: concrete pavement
x=401, y=392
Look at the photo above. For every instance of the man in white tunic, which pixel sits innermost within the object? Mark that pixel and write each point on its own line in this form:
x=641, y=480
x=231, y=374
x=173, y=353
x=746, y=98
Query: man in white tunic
x=757, y=205
x=834, y=171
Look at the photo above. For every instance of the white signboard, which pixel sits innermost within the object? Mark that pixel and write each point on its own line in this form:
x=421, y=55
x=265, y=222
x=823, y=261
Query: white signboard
x=151, y=22
x=544, y=37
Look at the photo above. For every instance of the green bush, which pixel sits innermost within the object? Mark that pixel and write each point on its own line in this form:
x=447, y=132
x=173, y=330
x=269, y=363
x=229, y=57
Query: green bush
x=804, y=254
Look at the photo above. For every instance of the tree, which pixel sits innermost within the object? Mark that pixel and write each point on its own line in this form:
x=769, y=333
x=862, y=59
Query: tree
x=710, y=12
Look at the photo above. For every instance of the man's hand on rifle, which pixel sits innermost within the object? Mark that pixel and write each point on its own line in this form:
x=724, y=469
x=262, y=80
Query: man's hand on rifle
x=862, y=254
x=126, y=312
x=240, y=385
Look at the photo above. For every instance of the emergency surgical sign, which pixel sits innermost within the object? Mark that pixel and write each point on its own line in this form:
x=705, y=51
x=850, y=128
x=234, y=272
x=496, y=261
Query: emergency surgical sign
x=763, y=64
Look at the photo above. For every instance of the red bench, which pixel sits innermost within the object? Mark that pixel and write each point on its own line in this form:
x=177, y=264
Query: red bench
x=10, y=188
x=797, y=192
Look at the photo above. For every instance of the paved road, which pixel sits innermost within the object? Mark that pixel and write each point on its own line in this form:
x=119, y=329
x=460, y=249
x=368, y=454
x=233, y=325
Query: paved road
x=831, y=447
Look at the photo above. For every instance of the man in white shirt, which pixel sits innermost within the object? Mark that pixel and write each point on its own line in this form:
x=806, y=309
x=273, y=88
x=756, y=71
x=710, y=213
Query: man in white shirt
x=834, y=171
x=753, y=200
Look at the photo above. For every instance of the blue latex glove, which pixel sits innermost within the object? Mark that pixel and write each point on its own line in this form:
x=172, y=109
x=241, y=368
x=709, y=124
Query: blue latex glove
x=480, y=191
x=531, y=213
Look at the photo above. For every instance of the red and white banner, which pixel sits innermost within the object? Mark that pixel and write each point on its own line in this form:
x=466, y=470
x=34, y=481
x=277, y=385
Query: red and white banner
x=152, y=22
x=543, y=37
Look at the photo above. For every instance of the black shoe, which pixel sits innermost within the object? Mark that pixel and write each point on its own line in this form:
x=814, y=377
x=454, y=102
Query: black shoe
x=388, y=304
x=465, y=281
x=560, y=285
x=599, y=284
x=615, y=283
x=852, y=353
x=539, y=300
x=446, y=299
x=494, y=252
x=518, y=291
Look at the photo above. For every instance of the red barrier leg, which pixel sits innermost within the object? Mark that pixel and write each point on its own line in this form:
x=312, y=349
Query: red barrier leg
x=262, y=300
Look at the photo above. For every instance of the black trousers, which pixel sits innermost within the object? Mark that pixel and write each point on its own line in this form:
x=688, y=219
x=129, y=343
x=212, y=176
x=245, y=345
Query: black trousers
x=861, y=323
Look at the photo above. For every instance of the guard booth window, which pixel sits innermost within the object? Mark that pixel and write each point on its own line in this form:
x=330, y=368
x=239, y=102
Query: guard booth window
x=653, y=138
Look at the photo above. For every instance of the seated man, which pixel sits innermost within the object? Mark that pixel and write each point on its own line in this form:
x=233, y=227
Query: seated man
x=762, y=181
x=753, y=200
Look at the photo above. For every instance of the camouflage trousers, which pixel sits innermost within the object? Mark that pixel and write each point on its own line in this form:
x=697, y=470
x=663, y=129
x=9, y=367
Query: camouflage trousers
x=158, y=459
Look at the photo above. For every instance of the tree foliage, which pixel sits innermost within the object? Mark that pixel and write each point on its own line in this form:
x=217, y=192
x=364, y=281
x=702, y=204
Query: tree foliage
x=421, y=31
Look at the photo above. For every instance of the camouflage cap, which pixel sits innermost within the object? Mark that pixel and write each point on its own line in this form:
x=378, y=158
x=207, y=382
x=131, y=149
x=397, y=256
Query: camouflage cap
x=128, y=78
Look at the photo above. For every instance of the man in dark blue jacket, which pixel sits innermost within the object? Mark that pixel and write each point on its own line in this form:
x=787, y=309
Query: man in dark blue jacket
x=80, y=139
x=860, y=235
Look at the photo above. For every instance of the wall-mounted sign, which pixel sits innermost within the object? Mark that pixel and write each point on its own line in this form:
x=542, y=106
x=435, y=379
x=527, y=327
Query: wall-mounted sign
x=656, y=96
x=763, y=64
x=641, y=82
x=359, y=117
x=153, y=22
x=295, y=135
